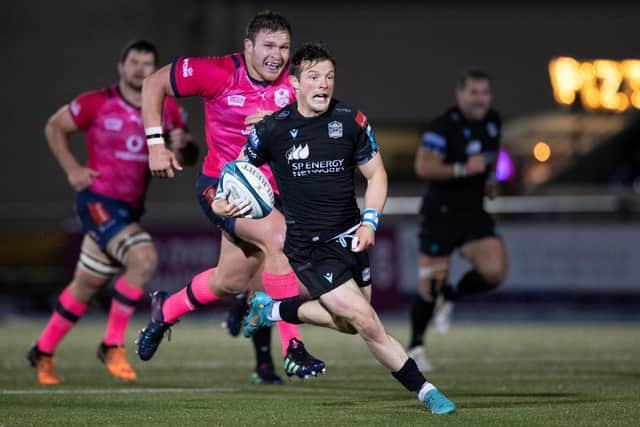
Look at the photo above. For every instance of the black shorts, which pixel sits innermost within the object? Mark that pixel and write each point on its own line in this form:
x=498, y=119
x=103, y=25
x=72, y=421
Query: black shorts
x=441, y=233
x=323, y=267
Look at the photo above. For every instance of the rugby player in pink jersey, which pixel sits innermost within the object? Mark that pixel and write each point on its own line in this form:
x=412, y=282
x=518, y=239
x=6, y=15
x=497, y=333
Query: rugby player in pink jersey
x=110, y=193
x=238, y=91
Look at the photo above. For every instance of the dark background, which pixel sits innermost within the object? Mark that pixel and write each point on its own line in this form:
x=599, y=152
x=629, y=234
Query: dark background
x=397, y=61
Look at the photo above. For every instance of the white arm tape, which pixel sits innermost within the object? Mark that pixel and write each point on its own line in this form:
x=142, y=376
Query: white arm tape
x=154, y=135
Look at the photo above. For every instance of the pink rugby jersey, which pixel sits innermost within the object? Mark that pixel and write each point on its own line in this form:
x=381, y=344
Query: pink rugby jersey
x=116, y=142
x=230, y=95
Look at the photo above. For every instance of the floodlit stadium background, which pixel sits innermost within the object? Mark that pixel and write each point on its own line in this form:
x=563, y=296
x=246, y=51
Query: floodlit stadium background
x=569, y=209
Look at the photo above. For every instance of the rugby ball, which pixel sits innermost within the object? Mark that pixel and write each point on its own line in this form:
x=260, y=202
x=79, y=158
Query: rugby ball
x=243, y=181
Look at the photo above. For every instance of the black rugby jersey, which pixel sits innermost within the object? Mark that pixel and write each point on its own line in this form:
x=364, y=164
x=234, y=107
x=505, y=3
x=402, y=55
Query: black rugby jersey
x=313, y=161
x=456, y=138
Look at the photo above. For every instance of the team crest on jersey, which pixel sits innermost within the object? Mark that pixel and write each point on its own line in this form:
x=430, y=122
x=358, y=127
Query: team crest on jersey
x=492, y=129
x=236, y=100
x=281, y=97
x=335, y=130
x=113, y=124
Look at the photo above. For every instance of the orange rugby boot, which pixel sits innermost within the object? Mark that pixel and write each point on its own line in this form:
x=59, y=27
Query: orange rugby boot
x=116, y=362
x=44, y=363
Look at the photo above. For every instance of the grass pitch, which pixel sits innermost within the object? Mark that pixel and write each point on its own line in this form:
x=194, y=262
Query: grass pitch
x=498, y=375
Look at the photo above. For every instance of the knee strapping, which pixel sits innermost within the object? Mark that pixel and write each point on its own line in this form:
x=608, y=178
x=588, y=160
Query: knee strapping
x=97, y=267
x=129, y=241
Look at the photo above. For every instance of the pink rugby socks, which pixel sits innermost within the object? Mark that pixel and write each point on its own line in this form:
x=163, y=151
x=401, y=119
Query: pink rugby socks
x=281, y=286
x=67, y=312
x=123, y=304
x=195, y=295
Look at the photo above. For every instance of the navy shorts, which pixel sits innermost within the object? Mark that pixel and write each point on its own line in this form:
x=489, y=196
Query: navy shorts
x=322, y=267
x=103, y=217
x=441, y=233
x=206, y=187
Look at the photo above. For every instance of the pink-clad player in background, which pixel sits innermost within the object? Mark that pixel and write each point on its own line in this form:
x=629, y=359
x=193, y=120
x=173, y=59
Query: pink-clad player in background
x=110, y=193
x=238, y=90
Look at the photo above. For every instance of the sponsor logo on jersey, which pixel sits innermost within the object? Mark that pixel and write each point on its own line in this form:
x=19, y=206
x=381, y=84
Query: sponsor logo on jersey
x=366, y=274
x=75, y=107
x=254, y=139
x=361, y=119
x=236, y=100
x=342, y=110
x=492, y=129
x=293, y=133
x=281, y=97
x=335, y=130
x=474, y=147
x=328, y=277
x=135, y=143
x=186, y=70
x=297, y=152
x=113, y=124
x=317, y=167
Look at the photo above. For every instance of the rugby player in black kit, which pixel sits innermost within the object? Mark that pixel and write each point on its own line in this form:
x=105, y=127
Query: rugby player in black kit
x=457, y=157
x=313, y=147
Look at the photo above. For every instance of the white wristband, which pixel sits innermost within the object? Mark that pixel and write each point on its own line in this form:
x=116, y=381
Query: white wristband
x=153, y=130
x=154, y=135
x=155, y=141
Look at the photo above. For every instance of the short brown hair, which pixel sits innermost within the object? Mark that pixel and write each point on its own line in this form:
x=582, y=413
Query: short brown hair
x=266, y=20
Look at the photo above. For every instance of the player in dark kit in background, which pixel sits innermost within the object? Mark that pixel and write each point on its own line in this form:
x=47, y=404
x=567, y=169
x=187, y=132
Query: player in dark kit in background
x=313, y=147
x=457, y=157
x=109, y=201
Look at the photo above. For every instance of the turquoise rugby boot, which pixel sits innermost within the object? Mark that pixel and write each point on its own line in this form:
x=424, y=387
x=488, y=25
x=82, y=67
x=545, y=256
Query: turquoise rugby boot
x=259, y=310
x=438, y=403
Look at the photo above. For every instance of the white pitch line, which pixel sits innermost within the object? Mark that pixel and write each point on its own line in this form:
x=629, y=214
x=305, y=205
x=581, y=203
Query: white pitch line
x=124, y=391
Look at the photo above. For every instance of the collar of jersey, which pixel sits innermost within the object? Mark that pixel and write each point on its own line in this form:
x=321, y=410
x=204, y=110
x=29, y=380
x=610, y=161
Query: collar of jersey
x=296, y=113
x=126, y=101
x=254, y=81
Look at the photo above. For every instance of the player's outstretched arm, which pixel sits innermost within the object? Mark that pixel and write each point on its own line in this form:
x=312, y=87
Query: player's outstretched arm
x=375, y=197
x=155, y=89
x=57, y=130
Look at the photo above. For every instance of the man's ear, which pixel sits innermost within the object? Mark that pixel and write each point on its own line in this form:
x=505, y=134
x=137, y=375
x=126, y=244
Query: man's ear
x=248, y=45
x=294, y=82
